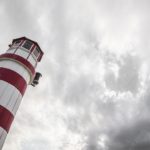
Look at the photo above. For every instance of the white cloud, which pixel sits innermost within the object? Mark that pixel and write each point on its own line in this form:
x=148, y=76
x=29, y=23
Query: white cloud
x=95, y=84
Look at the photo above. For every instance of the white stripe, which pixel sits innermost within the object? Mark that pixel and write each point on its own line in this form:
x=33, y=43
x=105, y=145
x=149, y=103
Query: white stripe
x=17, y=104
x=24, y=53
x=19, y=51
x=12, y=65
x=3, y=135
x=10, y=51
x=32, y=60
x=10, y=97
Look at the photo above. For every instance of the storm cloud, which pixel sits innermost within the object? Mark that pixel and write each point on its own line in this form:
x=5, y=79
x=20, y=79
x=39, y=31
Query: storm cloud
x=94, y=92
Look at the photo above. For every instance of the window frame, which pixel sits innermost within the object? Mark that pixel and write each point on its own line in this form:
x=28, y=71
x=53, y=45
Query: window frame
x=16, y=43
x=38, y=54
x=28, y=49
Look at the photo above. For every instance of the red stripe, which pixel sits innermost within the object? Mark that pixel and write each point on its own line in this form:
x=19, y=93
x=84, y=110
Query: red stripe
x=21, y=60
x=6, y=118
x=14, y=79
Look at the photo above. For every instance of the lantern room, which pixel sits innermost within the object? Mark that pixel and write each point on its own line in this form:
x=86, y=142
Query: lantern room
x=27, y=49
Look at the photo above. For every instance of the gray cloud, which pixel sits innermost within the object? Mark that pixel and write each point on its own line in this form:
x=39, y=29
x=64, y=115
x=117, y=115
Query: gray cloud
x=128, y=74
x=93, y=94
x=132, y=136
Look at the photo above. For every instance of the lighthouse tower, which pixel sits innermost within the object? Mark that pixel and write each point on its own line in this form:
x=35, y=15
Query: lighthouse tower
x=17, y=70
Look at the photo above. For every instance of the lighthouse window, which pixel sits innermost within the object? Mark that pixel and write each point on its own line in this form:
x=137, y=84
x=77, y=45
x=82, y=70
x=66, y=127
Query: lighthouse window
x=16, y=43
x=36, y=52
x=27, y=45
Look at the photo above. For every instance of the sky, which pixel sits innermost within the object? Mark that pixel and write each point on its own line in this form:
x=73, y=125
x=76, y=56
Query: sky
x=94, y=90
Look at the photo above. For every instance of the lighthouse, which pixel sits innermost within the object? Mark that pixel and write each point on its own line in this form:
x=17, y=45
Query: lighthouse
x=17, y=70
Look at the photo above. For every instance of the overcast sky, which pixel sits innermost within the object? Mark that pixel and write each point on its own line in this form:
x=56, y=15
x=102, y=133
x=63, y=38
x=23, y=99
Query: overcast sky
x=95, y=89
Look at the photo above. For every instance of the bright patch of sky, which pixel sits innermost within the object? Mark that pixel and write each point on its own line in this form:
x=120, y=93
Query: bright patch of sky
x=94, y=93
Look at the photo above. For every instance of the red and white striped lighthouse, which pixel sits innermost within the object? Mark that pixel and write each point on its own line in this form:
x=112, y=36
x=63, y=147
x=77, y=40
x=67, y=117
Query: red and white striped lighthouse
x=17, y=70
